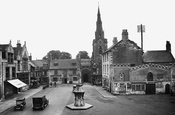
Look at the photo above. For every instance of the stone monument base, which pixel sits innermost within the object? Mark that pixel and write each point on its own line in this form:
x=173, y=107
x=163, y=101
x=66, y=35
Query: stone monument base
x=85, y=107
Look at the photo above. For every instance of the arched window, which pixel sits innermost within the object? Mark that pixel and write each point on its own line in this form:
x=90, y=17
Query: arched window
x=150, y=76
x=100, y=50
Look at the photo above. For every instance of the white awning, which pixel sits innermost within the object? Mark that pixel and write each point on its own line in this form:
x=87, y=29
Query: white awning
x=17, y=83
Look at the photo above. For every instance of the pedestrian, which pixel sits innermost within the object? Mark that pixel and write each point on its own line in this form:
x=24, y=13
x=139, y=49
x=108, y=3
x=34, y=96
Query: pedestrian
x=55, y=84
x=50, y=83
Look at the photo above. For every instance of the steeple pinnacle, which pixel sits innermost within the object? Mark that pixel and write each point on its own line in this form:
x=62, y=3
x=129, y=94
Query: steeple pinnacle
x=99, y=34
x=98, y=15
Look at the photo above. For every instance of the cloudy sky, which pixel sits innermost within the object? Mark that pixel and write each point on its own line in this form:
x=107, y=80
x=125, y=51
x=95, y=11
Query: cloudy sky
x=69, y=25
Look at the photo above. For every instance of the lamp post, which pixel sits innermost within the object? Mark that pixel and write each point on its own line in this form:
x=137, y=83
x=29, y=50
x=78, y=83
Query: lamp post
x=141, y=29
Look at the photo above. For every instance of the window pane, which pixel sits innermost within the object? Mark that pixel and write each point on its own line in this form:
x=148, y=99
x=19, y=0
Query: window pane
x=133, y=87
x=137, y=87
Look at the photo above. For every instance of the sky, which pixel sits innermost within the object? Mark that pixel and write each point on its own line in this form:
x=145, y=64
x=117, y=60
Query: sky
x=69, y=25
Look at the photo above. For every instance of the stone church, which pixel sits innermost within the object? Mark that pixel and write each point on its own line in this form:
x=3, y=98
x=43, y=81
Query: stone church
x=99, y=46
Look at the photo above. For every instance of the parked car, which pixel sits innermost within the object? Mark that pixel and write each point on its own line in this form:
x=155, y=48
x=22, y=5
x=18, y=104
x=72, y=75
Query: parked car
x=20, y=104
x=40, y=102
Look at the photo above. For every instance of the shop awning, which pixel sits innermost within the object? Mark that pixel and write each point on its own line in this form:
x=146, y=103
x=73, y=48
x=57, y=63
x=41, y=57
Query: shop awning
x=17, y=83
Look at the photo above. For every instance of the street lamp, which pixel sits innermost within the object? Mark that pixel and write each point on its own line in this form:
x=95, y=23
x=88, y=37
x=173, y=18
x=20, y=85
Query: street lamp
x=141, y=29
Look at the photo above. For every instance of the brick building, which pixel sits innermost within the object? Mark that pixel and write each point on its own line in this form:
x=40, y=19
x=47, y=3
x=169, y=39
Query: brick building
x=126, y=69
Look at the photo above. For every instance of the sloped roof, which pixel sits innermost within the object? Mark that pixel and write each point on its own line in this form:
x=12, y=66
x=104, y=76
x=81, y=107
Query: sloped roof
x=3, y=46
x=120, y=43
x=158, y=56
x=64, y=64
x=39, y=63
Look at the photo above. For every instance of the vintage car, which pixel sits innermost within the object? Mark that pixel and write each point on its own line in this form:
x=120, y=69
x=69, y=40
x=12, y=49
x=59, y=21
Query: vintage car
x=40, y=102
x=20, y=104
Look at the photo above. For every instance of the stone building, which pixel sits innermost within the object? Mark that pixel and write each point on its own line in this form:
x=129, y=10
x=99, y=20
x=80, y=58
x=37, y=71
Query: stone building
x=117, y=60
x=86, y=71
x=22, y=62
x=9, y=83
x=64, y=71
x=127, y=70
x=39, y=73
x=99, y=46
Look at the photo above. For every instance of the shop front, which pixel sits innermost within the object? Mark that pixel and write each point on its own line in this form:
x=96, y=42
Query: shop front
x=13, y=87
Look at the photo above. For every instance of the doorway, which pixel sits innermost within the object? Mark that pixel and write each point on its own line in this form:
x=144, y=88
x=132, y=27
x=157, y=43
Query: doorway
x=150, y=89
x=85, y=77
x=167, y=89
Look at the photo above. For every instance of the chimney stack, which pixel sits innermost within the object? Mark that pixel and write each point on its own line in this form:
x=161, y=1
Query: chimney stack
x=115, y=40
x=168, y=46
x=18, y=43
x=124, y=35
x=30, y=57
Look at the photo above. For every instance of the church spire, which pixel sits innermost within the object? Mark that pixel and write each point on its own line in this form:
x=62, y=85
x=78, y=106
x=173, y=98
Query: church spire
x=98, y=15
x=99, y=30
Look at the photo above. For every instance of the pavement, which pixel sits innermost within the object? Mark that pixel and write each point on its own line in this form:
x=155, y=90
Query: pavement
x=10, y=102
x=104, y=93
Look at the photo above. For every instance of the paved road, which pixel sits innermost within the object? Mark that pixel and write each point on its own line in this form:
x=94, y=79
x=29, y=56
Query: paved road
x=62, y=95
x=124, y=105
x=58, y=98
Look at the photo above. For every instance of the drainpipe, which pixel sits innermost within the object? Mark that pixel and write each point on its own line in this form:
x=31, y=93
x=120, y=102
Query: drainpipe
x=2, y=83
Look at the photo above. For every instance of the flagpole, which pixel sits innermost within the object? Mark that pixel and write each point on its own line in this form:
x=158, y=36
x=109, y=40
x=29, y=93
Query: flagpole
x=141, y=29
x=141, y=37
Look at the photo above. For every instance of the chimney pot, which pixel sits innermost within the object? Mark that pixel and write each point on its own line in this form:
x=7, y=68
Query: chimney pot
x=124, y=35
x=168, y=46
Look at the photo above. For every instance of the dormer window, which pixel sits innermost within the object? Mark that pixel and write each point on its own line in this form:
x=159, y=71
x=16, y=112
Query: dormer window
x=25, y=64
x=10, y=58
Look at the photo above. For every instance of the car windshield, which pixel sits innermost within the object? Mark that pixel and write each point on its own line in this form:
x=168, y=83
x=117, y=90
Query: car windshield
x=37, y=100
x=19, y=102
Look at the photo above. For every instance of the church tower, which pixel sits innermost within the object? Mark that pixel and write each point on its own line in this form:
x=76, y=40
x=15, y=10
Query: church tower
x=99, y=45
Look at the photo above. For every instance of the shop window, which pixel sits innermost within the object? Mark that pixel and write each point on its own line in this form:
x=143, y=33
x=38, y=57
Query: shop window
x=128, y=86
x=138, y=87
x=159, y=85
x=74, y=78
x=142, y=87
x=133, y=87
